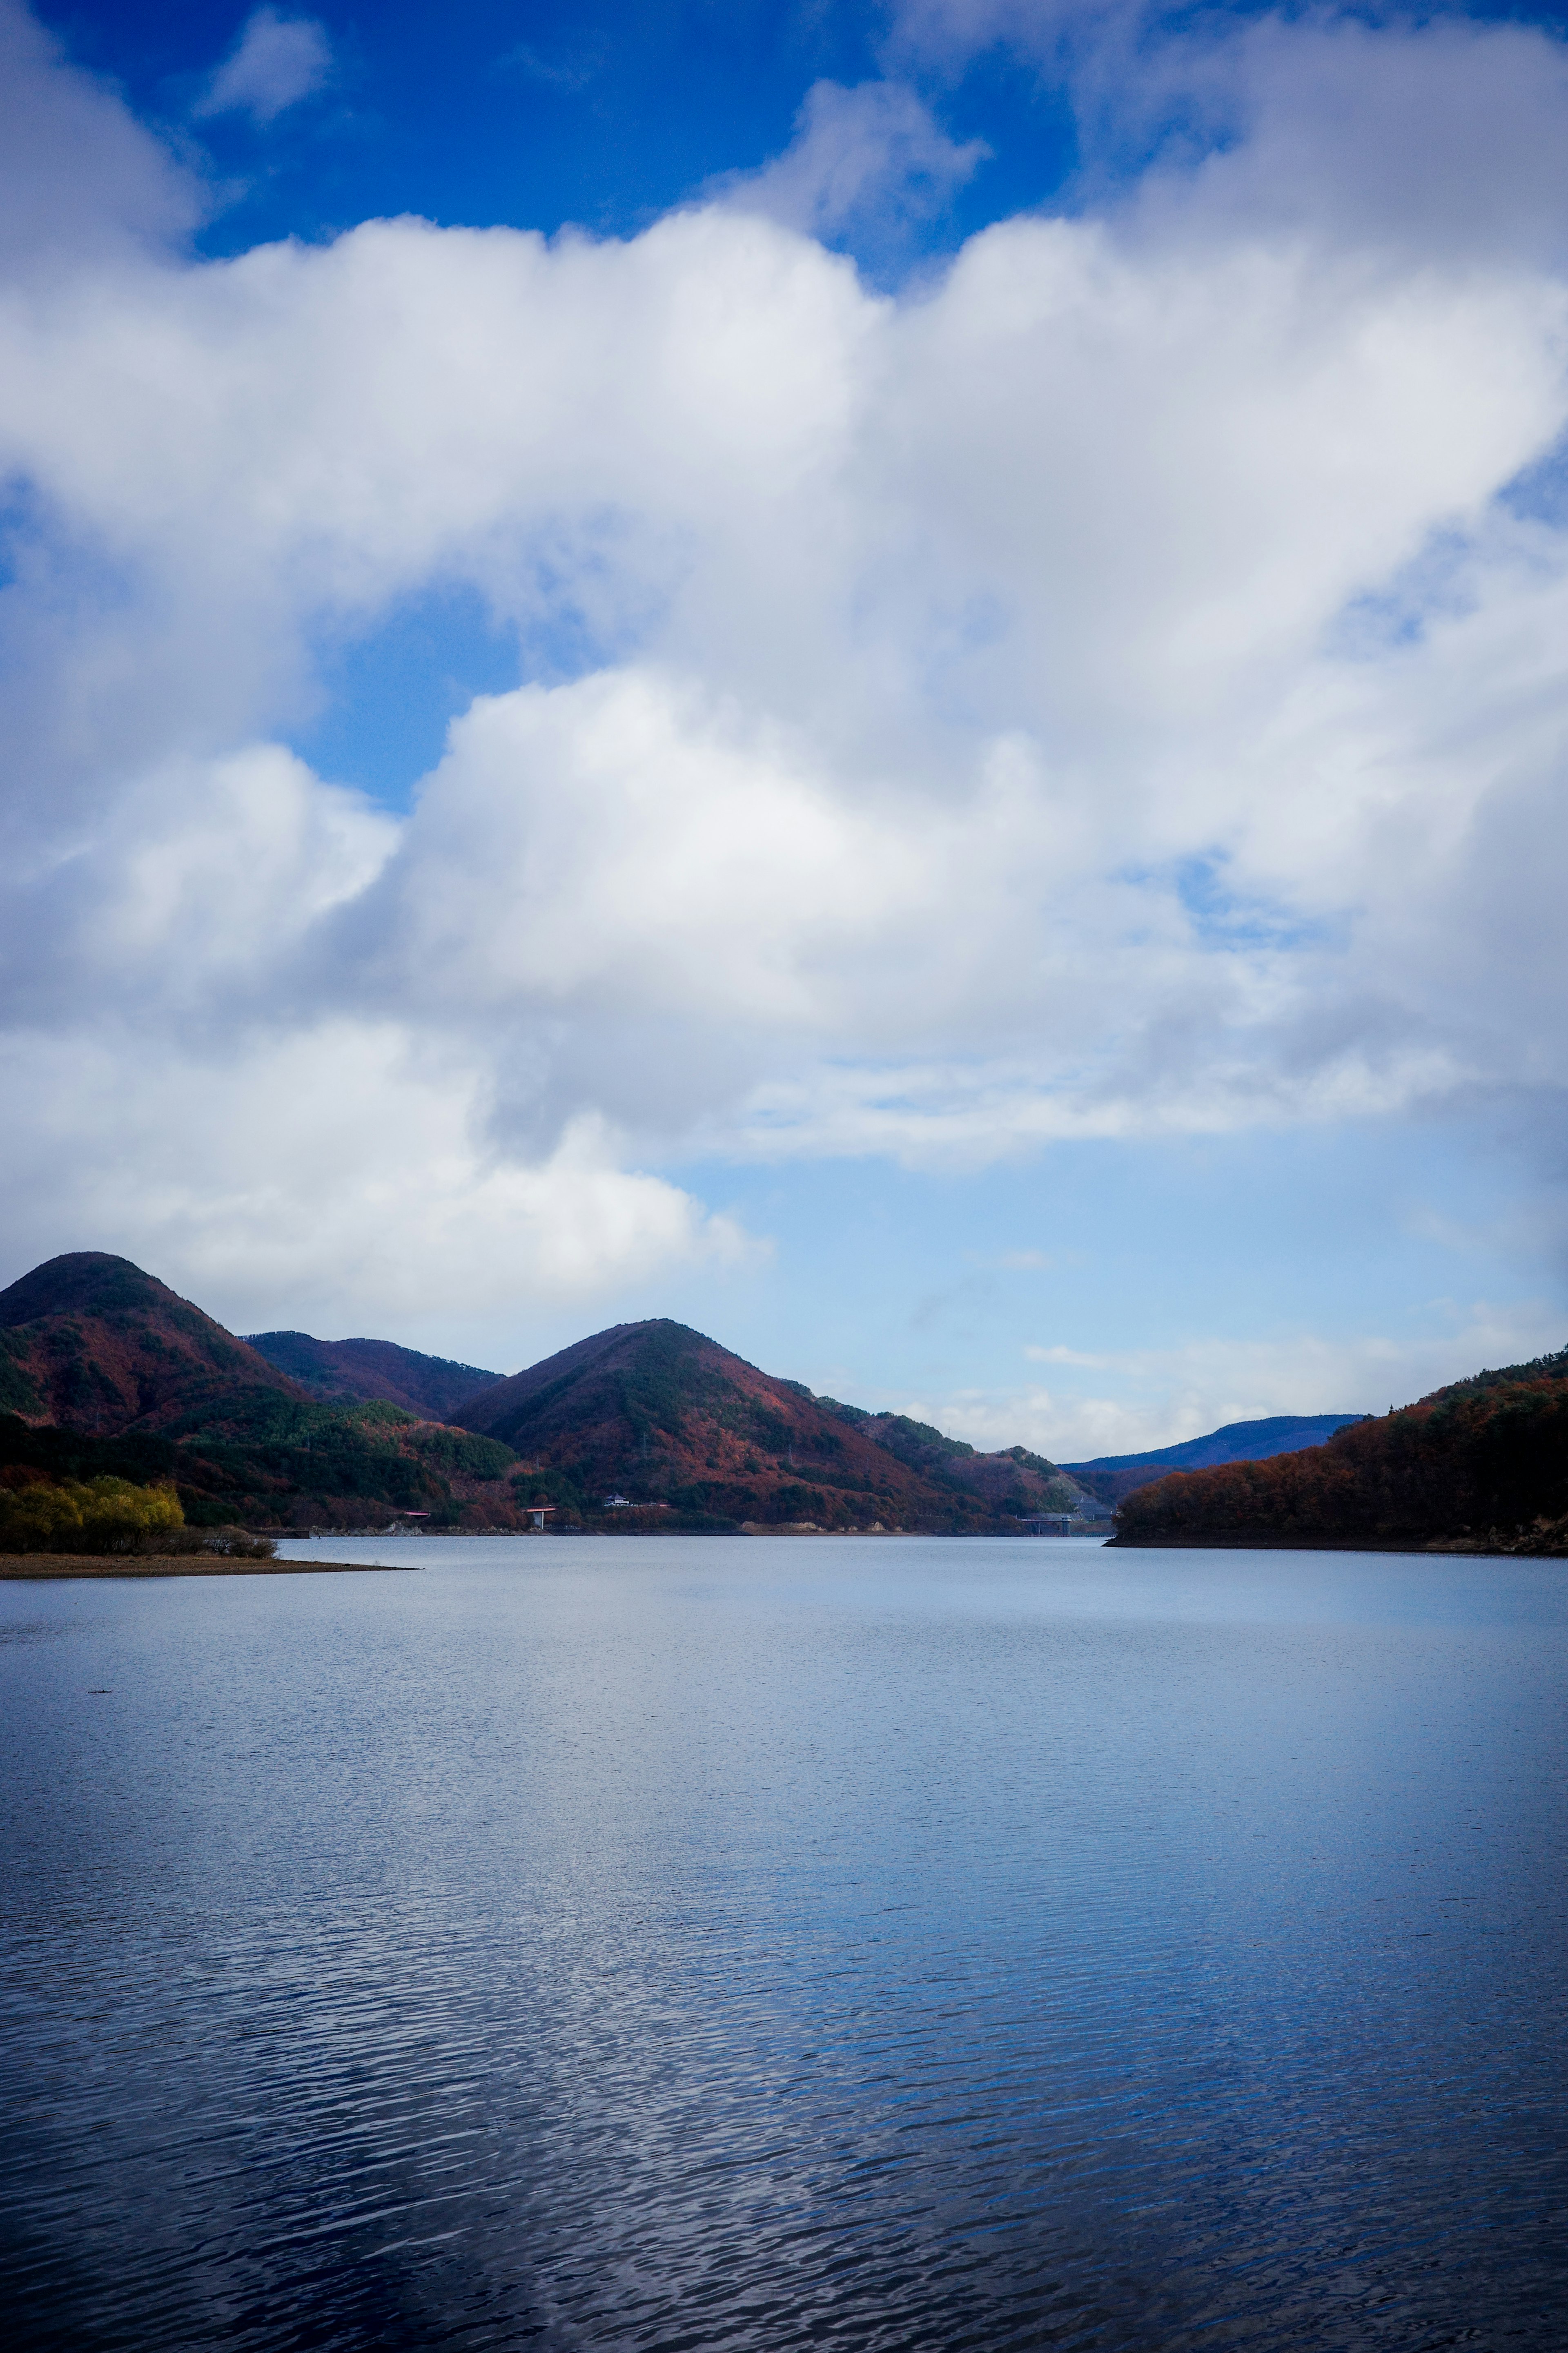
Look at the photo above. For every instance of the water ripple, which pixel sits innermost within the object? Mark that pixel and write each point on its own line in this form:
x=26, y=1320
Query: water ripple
x=664, y=1946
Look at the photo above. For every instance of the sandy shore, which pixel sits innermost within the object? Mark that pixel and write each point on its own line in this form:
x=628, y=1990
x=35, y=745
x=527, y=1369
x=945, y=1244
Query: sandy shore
x=17, y=1565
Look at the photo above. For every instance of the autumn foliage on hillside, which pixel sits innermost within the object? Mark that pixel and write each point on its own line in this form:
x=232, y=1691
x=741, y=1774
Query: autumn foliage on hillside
x=1484, y=1464
x=687, y=1430
x=89, y=1342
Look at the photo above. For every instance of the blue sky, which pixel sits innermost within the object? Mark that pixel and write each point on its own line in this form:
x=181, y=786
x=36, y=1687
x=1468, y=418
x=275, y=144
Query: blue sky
x=915, y=715
x=535, y=117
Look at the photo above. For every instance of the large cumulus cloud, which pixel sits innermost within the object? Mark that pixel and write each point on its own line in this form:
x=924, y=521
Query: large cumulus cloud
x=1112, y=685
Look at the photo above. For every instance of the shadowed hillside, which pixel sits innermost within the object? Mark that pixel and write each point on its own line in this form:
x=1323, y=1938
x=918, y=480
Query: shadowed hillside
x=298, y=1466
x=343, y=1371
x=1007, y=1482
x=665, y=1417
x=1479, y=1466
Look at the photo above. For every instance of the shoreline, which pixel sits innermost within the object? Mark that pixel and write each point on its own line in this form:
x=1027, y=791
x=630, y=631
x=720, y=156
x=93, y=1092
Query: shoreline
x=1411, y=1548
x=20, y=1567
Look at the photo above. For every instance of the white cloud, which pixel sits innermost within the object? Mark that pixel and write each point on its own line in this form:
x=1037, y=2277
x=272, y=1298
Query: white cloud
x=332, y=1169
x=278, y=61
x=623, y=838
x=79, y=179
x=1105, y=692
x=196, y=885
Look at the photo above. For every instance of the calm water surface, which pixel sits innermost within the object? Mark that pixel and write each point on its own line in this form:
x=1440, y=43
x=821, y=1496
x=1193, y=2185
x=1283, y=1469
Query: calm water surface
x=770, y=1944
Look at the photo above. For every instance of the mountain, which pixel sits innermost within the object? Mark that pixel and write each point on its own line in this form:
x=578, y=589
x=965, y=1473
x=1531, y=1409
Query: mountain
x=105, y=1369
x=90, y=1342
x=950, y=1463
x=1112, y=1476
x=1479, y=1466
x=339, y=1371
x=675, y=1424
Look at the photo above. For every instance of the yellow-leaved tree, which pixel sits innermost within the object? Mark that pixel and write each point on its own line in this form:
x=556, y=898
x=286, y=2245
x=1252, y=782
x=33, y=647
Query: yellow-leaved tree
x=102, y=1514
x=38, y=1518
x=117, y=1516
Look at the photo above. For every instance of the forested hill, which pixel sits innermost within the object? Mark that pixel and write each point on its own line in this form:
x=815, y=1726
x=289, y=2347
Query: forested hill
x=339, y=1372
x=91, y=1343
x=666, y=1418
x=106, y=1371
x=1481, y=1465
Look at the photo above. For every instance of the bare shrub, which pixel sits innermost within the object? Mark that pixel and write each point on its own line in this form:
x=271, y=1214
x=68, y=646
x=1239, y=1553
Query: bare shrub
x=233, y=1544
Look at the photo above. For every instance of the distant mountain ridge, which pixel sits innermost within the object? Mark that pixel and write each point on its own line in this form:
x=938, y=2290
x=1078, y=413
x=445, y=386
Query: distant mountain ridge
x=338, y=1370
x=1112, y=1476
x=1478, y=1466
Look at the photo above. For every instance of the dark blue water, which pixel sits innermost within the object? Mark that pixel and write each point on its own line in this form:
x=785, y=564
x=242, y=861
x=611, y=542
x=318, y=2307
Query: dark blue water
x=769, y=1943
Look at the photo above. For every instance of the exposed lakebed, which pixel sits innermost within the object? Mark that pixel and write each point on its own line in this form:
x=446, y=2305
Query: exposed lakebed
x=861, y=1943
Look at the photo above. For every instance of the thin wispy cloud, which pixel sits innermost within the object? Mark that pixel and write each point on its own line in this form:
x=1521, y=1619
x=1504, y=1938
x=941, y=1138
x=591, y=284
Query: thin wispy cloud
x=866, y=167
x=1145, y=1398
x=278, y=61
x=569, y=70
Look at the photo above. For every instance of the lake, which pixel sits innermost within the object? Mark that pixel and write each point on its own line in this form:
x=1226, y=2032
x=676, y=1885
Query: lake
x=780, y=1943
